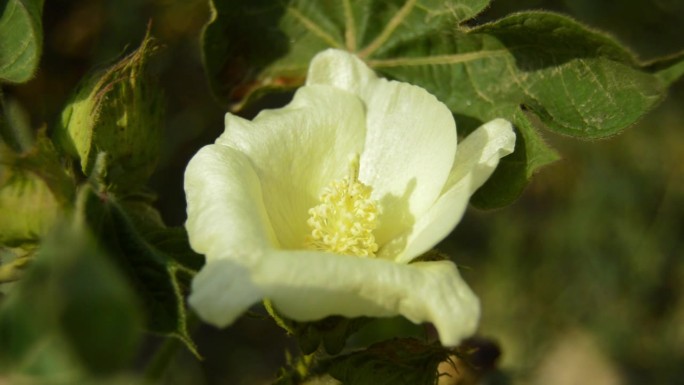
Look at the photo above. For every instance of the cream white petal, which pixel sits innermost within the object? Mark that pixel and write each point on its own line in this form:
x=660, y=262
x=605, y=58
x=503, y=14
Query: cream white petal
x=480, y=152
x=307, y=286
x=297, y=150
x=410, y=146
x=226, y=214
x=249, y=195
x=340, y=69
x=222, y=291
x=410, y=140
x=476, y=159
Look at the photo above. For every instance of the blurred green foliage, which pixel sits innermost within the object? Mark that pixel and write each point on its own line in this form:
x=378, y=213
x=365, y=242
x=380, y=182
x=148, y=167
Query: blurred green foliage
x=71, y=308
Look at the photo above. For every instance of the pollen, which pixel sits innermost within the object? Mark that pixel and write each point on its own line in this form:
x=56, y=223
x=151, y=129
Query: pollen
x=344, y=221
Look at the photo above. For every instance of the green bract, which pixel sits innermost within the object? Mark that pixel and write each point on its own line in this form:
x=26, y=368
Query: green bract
x=117, y=112
x=29, y=208
x=251, y=194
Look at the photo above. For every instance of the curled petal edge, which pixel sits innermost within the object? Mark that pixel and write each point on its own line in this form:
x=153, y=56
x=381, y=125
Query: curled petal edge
x=476, y=158
x=306, y=286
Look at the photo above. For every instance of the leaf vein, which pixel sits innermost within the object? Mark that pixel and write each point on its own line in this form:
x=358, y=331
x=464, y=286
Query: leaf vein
x=313, y=27
x=391, y=26
x=350, y=29
x=568, y=95
x=600, y=85
x=287, y=68
x=26, y=42
x=15, y=58
x=475, y=86
x=436, y=60
x=519, y=79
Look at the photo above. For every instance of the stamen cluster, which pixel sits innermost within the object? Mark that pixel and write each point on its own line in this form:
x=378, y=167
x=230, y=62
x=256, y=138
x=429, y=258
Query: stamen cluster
x=344, y=221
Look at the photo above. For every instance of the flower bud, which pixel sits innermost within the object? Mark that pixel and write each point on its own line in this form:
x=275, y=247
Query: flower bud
x=117, y=111
x=28, y=207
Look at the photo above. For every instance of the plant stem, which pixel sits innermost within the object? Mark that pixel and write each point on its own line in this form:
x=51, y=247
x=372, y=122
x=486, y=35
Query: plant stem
x=161, y=360
x=167, y=351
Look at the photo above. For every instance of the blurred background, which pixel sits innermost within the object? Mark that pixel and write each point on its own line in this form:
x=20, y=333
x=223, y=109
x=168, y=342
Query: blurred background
x=581, y=280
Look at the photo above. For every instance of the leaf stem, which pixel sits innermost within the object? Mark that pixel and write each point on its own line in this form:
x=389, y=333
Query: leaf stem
x=280, y=321
x=161, y=360
x=350, y=28
x=396, y=20
x=314, y=28
x=167, y=351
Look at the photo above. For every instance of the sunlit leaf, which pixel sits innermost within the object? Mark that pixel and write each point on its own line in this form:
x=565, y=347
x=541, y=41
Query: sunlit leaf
x=577, y=81
x=269, y=44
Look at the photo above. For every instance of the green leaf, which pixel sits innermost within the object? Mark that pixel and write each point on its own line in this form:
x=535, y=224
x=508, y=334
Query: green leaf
x=367, y=27
x=158, y=280
x=577, y=81
x=238, y=42
x=144, y=216
x=117, y=114
x=71, y=309
x=395, y=362
x=332, y=331
x=171, y=241
x=21, y=39
x=269, y=44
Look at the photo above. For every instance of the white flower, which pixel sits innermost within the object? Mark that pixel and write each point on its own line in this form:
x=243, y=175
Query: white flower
x=320, y=206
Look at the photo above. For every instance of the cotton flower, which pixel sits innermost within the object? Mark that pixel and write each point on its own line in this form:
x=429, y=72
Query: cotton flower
x=321, y=206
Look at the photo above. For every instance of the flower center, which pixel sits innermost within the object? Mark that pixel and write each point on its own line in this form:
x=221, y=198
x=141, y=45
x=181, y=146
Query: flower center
x=344, y=221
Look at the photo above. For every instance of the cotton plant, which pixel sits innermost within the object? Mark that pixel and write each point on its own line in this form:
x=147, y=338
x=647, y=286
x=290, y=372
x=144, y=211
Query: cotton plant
x=323, y=206
x=329, y=210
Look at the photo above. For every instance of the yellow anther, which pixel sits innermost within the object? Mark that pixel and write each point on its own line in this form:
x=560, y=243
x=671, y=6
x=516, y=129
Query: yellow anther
x=344, y=221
